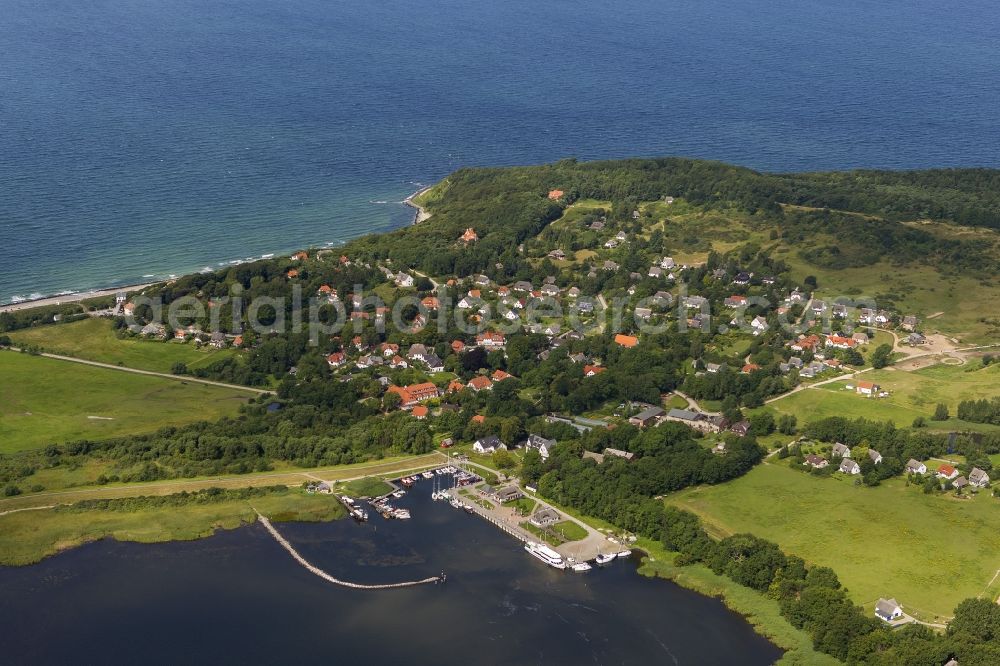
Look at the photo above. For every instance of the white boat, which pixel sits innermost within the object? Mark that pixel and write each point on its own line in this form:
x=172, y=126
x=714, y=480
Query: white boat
x=428, y=475
x=455, y=503
x=545, y=554
x=624, y=553
x=581, y=567
x=604, y=559
x=402, y=514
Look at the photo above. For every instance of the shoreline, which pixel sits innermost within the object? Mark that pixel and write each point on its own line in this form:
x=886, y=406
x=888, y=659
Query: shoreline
x=420, y=214
x=74, y=298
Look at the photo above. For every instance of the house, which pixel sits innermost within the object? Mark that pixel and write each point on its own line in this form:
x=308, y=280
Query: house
x=431, y=302
x=627, y=341
x=336, y=359
x=916, y=339
x=469, y=236
x=488, y=444
x=610, y=265
x=556, y=195
x=404, y=280
x=218, y=340
x=398, y=362
x=596, y=457
x=841, y=450
x=480, y=383
x=816, y=462
x=447, y=443
x=300, y=256
x=667, y=263
x=433, y=362
x=959, y=483
x=712, y=368
x=888, y=610
x=481, y=280
x=540, y=444
x=979, y=478
x=860, y=338
x=618, y=453
x=573, y=292
x=946, y=471
x=742, y=278
x=655, y=272
x=420, y=412
x=839, y=311
x=500, y=375
x=869, y=389
x=643, y=313
x=806, y=343
x=388, y=349
x=759, y=325
x=719, y=449
x=414, y=393
x=695, y=302
x=596, y=225
x=741, y=428
x=735, y=301
x=454, y=386
x=647, y=417
x=585, y=306
x=915, y=467
x=545, y=517
x=663, y=298
x=840, y=342
x=591, y=370
x=522, y=286
x=457, y=346
x=749, y=367
x=490, y=340
x=909, y=322
x=818, y=306
x=478, y=418
x=875, y=456
x=848, y=466
x=557, y=254
x=416, y=352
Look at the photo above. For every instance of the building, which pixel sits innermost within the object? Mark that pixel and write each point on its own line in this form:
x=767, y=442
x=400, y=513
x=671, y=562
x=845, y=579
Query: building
x=540, y=444
x=647, y=417
x=414, y=393
x=888, y=610
x=915, y=467
x=848, y=466
x=618, y=453
x=867, y=389
x=946, y=472
x=875, y=456
x=480, y=383
x=488, y=444
x=556, y=195
x=592, y=370
x=491, y=340
x=469, y=236
x=336, y=359
x=841, y=450
x=816, y=462
x=420, y=412
x=627, y=341
x=508, y=494
x=979, y=478
x=545, y=517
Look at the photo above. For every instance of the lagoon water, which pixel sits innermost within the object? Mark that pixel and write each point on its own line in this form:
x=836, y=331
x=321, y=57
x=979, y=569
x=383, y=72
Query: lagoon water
x=238, y=597
x=140, y=139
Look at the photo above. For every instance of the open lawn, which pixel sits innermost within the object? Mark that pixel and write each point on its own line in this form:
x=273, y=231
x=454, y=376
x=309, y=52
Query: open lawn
x=928, y=551
x=95, y=340
x=911, y=394
x=370, y=486
x=45, y=400
x=28, y=536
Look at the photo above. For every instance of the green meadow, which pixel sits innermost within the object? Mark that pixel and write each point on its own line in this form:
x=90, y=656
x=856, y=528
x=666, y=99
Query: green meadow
x=45, y=401
x=928, y=551
x=95, y=340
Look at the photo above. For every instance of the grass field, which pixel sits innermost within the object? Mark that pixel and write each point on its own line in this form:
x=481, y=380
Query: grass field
x=370, y=486
x=45, y=400
x=912, y=394
x=28, y=536
x=928, y=551
x=95, y=340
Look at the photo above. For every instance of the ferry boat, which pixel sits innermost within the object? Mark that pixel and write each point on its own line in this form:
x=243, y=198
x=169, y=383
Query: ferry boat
x=545, y=554
x=581, y=567
x=604, y=559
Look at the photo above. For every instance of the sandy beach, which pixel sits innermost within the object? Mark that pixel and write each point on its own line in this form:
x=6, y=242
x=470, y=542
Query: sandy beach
x=72, y=298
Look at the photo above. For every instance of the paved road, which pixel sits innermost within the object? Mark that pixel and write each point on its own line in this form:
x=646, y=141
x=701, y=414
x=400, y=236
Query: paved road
x=165, y=375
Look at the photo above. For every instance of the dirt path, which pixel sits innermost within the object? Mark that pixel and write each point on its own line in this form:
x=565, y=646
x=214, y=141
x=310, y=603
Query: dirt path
x=165, y=375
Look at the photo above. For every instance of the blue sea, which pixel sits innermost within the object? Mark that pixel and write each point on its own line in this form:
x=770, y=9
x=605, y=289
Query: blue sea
x=143, y=138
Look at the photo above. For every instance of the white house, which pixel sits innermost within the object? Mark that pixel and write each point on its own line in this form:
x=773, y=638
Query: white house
x=841, y=450
x=404, y=280
x=759, y=325
x=888, y=609
x=848, y=466
x=489, y=444
x=979, y=478
x=540, y=444
x=915, y=467
x=875, y=456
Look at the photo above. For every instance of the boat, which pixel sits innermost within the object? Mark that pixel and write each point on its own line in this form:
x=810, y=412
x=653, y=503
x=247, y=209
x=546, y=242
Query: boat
x=455, y=503
x=604, y=559
x=402, y=514
x=545, y=554
x=624, y=553
x=581, y=567
x=428, y=475
x=468, y=508
x=398, y=494
x=359, y=515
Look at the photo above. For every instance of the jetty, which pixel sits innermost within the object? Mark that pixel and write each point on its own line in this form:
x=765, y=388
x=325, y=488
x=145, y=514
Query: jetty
x=336, y=581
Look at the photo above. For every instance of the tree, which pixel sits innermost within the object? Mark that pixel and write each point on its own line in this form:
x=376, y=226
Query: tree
x=179, y=368
x=881, y=356
x=941, y=412
x=504, y=460
x=391, y=401
x=788, y=424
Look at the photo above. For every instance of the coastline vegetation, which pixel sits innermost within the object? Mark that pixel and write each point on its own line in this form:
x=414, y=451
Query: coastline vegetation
x=30, y=535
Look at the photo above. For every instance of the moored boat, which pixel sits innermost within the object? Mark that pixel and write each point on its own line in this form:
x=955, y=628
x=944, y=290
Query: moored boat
x=545, y=554
x=581, y=567
x=624, y=553
x=604, y=559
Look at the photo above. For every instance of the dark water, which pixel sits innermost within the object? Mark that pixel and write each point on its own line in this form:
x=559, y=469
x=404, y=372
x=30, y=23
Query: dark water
x=143, y=138
x=239, y=597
